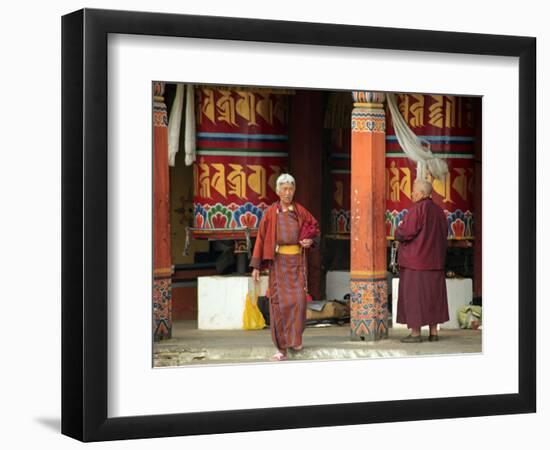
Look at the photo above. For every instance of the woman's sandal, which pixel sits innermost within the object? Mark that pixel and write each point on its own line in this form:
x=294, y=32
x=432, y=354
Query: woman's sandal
x=279, y=356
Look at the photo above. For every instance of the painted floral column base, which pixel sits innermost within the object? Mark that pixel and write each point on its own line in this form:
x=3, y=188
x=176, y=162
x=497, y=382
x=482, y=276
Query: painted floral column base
x=369, y=310
x=162, y=308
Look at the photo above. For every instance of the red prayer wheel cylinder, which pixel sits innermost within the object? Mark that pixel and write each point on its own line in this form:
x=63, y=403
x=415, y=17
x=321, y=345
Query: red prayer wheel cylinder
x=242, y=147
x=448, y=123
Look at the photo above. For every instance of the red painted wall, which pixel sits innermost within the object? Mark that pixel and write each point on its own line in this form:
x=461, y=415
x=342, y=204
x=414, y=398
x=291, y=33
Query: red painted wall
x=184, y=303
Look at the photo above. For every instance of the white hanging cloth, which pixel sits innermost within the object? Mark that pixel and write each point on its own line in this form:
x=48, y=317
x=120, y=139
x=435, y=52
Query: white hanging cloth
x=415, y=148
x=190, y=127
x=174, y=125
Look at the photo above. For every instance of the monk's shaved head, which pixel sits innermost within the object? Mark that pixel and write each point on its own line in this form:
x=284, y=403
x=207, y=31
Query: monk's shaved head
x=423, y=186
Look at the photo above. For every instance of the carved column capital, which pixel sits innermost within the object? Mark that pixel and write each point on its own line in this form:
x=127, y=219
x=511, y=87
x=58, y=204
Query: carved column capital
x=368, y=114
x=158, y=90
x=368, y=99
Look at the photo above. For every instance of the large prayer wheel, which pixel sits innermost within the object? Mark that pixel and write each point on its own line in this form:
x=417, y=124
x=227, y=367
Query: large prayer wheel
x=242, y=147
x=448, y=123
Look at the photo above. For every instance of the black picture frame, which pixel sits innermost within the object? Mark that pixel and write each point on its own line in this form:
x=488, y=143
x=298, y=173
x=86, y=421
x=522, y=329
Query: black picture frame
x=84, y=224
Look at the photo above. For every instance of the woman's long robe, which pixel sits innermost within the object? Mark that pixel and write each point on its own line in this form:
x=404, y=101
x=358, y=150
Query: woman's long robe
x=287, y=273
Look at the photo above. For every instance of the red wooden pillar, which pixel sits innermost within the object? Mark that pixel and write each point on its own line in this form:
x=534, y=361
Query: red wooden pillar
x=162, y=263
x=306, y=130
x=369, y=290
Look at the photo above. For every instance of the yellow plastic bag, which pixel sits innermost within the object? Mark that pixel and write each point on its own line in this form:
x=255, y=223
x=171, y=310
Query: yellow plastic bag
x=252, y=316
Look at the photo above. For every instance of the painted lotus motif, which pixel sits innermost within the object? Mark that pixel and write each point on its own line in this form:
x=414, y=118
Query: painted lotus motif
x=340, y=221
x=342, y=224
x=389, y=226
x=458, y=229
x=248, y=215
x=248, y=220
x=469, y=222
x=218, y=220
x=460, y=224
x=229, y=217
x=200, y=216
x=219, y=216
x=393, y=219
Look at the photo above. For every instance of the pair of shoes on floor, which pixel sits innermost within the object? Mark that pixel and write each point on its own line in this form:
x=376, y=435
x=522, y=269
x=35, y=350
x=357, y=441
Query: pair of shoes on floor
x=410, y=339
x=279, y=356
x=433, y=338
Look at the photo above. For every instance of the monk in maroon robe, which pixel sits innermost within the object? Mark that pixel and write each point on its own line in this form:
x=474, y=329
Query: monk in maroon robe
x=280, y=249
x=422, y=240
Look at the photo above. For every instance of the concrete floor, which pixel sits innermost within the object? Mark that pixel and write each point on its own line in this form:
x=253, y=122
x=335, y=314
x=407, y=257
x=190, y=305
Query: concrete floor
x=190, y=346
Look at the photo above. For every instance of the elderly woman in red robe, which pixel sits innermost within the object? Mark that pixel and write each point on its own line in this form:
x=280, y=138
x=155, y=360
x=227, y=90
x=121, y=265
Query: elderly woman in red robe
x=422, y=240
x=286, y=230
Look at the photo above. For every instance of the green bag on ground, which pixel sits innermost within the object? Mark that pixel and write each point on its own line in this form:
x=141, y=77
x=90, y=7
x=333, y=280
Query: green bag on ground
x=469, y=316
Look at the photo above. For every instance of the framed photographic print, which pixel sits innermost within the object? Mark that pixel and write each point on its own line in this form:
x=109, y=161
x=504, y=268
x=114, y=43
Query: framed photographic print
x=273, y=224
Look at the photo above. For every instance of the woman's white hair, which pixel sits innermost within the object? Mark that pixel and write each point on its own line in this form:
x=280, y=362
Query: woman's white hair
x=285, y=178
